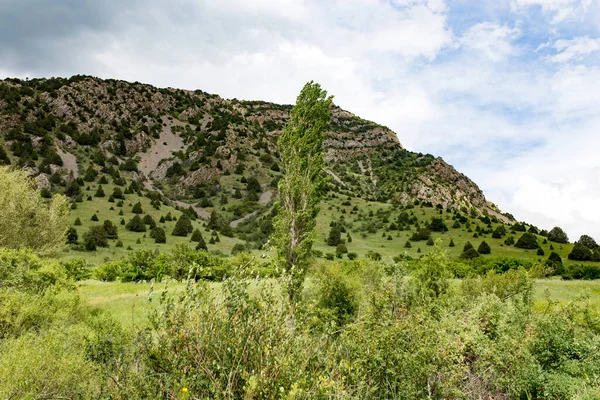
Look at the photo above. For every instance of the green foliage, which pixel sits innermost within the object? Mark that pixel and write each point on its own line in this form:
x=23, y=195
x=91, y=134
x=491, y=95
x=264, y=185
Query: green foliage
x=557, y=235
x=160, y=235
x=110, y=229
x=302, y=184
x=183, y=226
x=438, y=225
x=137, y=208
x=580, y=252
x=99, y=192
x=499, y=232
x=72, y=236
x=421, y=234
x=341, y=249
x=469, y=254
x=26, y=219
x=588, y=242
x=527, y=241
x=484, y=248
x=335, y=236
x=136, y=224
x=95, y=237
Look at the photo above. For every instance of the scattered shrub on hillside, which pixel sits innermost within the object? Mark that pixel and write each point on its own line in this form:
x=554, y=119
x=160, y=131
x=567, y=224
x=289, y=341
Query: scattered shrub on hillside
x=136, y=224
x=438, y=225
x=159, y=235
x=484, y=248
x=580, y=253
x=183, y=226
x=72, y=236
x=99, y=192
x=527, y=241
x=137, y=208
x=499, y=232
x=335, y=236
x=95, y=237
x=469, y=254
x=557, y=235
x=421, y=234
x=111, y=230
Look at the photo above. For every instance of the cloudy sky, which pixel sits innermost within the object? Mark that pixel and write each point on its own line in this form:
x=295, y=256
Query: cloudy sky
x=508, y=91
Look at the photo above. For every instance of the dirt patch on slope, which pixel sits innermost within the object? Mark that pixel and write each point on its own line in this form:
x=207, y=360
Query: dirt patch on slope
x=69, y=161
x=163, y=147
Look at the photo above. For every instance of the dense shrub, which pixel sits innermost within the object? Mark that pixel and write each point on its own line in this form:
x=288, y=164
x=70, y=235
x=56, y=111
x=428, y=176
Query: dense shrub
x=421, y=234
x=183, y=226
x=580, y=253
x=484, y=248
x=136, y=224
x=557, y=235
x=95, y=237
x=527, y=241
x=438, y=225
x=587, y=272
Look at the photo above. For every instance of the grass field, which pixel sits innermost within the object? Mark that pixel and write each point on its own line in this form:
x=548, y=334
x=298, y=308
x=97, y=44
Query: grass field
x=130, y=303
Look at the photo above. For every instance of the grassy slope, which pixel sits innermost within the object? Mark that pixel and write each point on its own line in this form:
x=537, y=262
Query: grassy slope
x=331, y=210
x=101, y=207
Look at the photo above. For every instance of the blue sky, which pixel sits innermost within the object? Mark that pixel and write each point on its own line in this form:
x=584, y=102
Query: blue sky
x=505, y=90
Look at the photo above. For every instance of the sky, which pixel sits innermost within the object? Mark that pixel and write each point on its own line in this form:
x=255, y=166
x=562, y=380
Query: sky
x=507, y=91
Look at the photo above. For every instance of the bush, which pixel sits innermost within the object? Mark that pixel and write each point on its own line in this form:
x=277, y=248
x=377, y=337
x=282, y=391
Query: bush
x=159, y=235
x=99, y=192
x=527, y=241
x=580, y=253
x=95, y=237
x=110, y=229
x=469, y=254
x=499, y=232
x=237, y=249
x=557, y=235
x=72, y=236
x=484, y=248
x=335, y=236
x=183, y=226
x=341, y=249
x=137, y=208
x=77, y=269
x=148, y=220
x=136, y=224
x=438, y=225
x=587, y=272
x=467, y=247
x=421, y=234
x=108, y=272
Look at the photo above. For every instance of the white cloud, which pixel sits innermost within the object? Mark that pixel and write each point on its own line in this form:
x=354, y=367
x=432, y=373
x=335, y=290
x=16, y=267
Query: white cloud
x=490, y=39
x=571, y=50
x=560, y=10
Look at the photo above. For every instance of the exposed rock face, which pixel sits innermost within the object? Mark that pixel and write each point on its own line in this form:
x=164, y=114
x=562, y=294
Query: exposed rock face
x=43, y=182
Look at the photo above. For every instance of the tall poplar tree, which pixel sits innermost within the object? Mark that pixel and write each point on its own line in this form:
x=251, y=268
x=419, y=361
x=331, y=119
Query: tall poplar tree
x=302, y=184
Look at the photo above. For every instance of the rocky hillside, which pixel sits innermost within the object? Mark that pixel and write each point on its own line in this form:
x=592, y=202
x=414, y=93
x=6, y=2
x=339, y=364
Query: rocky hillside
x=199, y=149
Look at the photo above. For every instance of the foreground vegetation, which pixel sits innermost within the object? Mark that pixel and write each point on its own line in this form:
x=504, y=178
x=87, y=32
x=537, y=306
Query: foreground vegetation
x=361, y=329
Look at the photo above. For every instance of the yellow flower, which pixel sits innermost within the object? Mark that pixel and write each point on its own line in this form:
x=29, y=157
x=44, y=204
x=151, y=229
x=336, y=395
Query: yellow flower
x=184, y=390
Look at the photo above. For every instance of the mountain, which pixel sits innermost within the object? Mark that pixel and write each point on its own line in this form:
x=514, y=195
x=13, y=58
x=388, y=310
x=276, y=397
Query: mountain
x=211, y=137
x=216, y=159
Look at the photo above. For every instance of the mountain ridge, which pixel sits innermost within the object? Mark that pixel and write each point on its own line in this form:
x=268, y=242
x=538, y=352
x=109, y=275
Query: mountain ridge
x=126, y=119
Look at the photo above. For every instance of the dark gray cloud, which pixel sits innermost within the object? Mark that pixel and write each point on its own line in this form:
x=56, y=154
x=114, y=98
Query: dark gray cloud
x=42, y=35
